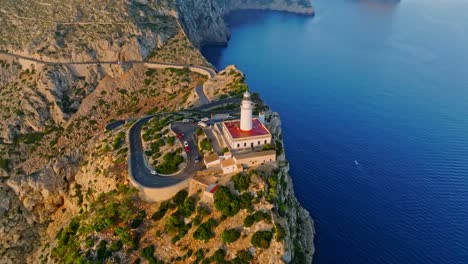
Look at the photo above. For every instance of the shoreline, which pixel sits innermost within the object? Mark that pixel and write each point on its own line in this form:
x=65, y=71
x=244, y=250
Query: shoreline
x=224, y=44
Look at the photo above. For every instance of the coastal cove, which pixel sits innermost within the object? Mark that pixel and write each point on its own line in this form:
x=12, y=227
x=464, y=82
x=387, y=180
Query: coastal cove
x=375, y=121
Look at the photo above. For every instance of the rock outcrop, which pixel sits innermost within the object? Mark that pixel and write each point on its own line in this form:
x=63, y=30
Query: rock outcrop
x=203, y=21
x=18, y=234
x=43, y=192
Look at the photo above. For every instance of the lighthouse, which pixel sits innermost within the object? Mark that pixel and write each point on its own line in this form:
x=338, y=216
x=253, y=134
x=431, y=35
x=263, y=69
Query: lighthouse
x=247, y=132
x=246, y=113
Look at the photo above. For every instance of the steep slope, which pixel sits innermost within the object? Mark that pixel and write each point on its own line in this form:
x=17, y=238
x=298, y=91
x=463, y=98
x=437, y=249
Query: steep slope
x=204, y=20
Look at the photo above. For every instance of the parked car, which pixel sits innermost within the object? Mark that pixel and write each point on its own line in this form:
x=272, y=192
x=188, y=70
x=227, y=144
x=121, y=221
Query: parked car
x=185, y=120
x=197, y=159
x=205, y=119
x=153, y=172
x=180, y=135
x=186, y=146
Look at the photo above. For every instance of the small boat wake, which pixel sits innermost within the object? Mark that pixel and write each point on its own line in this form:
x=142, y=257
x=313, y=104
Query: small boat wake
x=361, y=168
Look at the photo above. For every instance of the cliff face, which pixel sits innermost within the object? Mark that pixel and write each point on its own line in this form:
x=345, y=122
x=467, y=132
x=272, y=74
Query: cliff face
x=300, y=225
x=203, y=21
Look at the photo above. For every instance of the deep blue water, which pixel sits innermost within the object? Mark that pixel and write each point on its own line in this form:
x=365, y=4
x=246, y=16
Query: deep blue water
x=386, y=85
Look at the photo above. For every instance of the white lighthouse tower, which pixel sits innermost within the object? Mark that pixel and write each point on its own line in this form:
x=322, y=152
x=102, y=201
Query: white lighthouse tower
x=246, y=113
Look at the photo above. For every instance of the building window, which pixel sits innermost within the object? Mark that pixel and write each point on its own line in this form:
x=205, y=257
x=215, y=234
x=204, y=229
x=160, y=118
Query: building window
x=251, y=144
x=238, y=145
x=265, y=141
x=259, y=142
x=245, y=144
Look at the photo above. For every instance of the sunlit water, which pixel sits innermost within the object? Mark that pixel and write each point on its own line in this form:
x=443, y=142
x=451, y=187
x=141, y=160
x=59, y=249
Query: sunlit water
x=385, y=85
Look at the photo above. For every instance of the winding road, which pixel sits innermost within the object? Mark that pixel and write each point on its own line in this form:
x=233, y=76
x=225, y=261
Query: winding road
x=209, y=71
x=136, y=163
x=138, y=170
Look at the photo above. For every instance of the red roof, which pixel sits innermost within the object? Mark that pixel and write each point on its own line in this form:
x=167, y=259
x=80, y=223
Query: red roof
x=213, y=190
x=258, y=129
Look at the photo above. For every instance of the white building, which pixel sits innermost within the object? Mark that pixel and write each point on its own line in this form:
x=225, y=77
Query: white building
x=211, y=160
x=253, y=159
x=243, y=137
x=229, y=166
x=247, y=132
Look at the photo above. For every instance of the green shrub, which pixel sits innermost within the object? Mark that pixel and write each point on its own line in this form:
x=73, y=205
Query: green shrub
x=249, y=221
x=246, y=200
x=124, y=235
x=170, y=164
x=136, y=222
x=262, y=239
x=116, y=246
x=29, y=138
x=268, y=147
x=280, y=232
x=218, y=256
x=174, y=223
x=199, y=255
x=175, y=239
x=171, y=140
x=204, y=231
x=227, y=203
x=89, y=242
x=148, y=254
x=197, y=220
x=188, y=207
x=158, y=215
x=241, y=181
x=203, y=210
x=4, y=164
x=119, y=140
x=242, y=257
x=257, y=217
x=230, y=235
x=260, y=215
x=102, y=253
x=180, y=197
x=205, y=144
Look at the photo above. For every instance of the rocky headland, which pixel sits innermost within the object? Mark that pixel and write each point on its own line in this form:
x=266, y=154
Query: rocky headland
x=56, y=160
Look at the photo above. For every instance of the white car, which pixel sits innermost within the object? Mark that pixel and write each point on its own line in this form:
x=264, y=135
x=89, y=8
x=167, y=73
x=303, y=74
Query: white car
x=153, y=172
x=185, y=144
x=185, y=120
x=205, y=119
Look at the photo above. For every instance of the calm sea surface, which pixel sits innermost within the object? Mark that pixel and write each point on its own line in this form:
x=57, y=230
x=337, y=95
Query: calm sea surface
x=385, y=85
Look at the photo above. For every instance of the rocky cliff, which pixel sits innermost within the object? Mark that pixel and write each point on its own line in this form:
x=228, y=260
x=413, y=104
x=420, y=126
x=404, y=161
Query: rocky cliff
x=203, y=21
x=300, y=225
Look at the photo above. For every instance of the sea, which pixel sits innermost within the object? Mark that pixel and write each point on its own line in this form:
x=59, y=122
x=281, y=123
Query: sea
x=373, y=96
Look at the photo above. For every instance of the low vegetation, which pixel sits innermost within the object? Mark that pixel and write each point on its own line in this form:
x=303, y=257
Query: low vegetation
x=113, y=212
x=170, y=164
x=205, y=232
x=241, y=181
x=262, y=239
x=257, y=217
x=230, y=235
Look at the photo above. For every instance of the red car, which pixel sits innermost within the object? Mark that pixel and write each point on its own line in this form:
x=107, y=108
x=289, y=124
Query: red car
x=180, y=135
x=187, y=149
